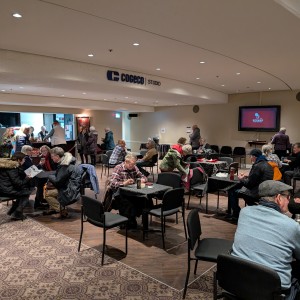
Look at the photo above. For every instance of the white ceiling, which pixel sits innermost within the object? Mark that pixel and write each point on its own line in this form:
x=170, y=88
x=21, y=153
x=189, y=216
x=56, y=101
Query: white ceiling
x=45, y=53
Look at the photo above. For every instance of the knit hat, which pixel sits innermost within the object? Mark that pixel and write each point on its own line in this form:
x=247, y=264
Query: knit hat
x=272, y=188
x=255, y=152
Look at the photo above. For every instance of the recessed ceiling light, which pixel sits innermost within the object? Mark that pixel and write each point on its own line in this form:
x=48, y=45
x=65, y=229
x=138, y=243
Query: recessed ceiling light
x=62, y=95
x=84, y=93
x=156, y=101
x=91, y=55
x=17, y=15
x=135, y=44
x=176, y=104
x=105, y=99
x=269, y=88
x=2, y=90
x=258, y=81
x=202, y=62
x=238, y=73
x=20, y=87
x=197, y=78
x=126, y=97
x=157, y=69
x=222, y=84
x=135, y=102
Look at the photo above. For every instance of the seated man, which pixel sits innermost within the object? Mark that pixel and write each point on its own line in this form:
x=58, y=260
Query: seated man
x=66, y=182
x=15, y=184
x=248, y=185
x=267, y=236
x=146, y=161
x=118, y=154
x=125, y=174
x=294, y=165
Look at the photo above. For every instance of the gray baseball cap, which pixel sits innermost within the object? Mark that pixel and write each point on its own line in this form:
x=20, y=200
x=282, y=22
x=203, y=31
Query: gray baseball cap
x=272, y=188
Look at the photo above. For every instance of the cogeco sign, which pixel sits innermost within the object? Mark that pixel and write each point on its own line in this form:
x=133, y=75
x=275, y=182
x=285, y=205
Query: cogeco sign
x=124, y=77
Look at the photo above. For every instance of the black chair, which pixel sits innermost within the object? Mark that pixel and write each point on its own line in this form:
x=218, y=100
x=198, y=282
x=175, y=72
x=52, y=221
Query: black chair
x=226, y=151
x=86, y=180
x=92, y=211
x=240, y=153
x=198, y=183
x=105, y=164
x=294, y=180
x=215, y=148
x=244, y=279
x=207, y=249
x=229, y=160
x=172, y=203
x=154, y=162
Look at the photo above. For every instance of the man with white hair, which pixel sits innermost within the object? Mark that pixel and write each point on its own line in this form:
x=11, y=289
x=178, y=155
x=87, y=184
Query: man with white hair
x=281, y=142
x=266, y=235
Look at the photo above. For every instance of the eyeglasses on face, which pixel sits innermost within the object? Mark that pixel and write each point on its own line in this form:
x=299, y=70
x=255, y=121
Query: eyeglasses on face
x=287, y=195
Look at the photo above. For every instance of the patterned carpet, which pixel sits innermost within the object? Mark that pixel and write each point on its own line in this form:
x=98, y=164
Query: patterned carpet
x=39, y=263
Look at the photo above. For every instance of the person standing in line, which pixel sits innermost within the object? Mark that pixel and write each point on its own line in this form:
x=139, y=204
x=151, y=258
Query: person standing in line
x=108, y=141
x=91, y=144
x=281, y=142
x=42, y=133
x=22, y=137
x=195, y=137
x=57, y=135
x=82, y=139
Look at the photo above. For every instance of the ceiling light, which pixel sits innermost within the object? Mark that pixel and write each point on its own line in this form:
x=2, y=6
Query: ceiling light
x=238, y=73
x=258, y=81
x=17, y=15
x=91, y=55
x=269, y=88
x=157, y=69
x=202, y=62
x=62, y=95
x=84, y=93
x=126, y=97
x=197, y=78
x=21, y=87
x=135, y=44
x=2, y=90
x=105, y=99
x=222, y=84
x=135, y=102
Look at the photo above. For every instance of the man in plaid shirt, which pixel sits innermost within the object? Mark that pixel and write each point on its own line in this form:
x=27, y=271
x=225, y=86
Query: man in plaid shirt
x=125, y=174
x=118, y=154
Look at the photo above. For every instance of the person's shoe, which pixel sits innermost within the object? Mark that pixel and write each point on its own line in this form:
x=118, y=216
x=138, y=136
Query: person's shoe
x=49, y=212
x=12, y=209
x=17, y=215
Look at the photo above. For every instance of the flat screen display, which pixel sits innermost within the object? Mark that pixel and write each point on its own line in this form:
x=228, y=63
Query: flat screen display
x=10, y=119
x=259, y=118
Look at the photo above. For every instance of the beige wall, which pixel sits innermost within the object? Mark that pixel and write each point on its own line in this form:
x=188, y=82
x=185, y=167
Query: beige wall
x=219, y=122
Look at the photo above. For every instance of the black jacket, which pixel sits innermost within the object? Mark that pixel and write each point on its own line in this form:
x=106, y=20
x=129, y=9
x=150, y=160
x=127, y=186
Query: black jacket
x=13, y=181
x=67, y=180
x=260, y=171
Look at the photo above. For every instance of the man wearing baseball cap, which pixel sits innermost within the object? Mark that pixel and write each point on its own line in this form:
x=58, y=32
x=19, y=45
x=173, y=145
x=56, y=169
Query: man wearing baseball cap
x=248, y=185
x=267, y=236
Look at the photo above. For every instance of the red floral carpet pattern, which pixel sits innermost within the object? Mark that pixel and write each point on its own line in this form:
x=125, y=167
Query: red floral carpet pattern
x=39, y=263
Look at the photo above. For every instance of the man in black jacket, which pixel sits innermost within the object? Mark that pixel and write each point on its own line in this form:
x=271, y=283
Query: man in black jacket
x=248, y=185
x=66, y=181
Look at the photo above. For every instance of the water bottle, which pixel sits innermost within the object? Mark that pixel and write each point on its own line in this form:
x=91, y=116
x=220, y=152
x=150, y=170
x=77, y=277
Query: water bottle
x=138, y=183
x=231, y=176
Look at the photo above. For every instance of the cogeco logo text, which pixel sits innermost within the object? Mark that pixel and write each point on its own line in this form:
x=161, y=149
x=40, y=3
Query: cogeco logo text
x=124, y=77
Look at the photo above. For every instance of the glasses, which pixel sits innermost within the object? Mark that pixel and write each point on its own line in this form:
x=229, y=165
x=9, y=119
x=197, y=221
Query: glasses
x=288, y=196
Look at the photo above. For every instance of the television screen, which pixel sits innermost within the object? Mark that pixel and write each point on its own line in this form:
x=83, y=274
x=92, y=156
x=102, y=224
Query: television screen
x=259, y=118
x=10, y=119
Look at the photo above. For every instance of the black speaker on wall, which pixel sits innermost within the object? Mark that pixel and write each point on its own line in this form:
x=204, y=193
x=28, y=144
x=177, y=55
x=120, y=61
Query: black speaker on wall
x=132, y=116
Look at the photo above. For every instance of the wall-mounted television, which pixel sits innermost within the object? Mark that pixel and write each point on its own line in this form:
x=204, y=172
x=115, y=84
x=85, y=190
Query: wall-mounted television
x=10, y=119
x=259, y=118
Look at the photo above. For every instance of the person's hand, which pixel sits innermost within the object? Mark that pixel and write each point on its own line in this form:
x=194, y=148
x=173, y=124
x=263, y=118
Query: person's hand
x=241, y=176
x=128, y=181
x=297, y=200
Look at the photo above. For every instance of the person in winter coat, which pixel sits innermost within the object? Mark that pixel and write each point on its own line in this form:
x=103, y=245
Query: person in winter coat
x=15, y=184
x=82, y=138
x=195, y=137
x=66, y=182
x=248, y=185
x=91, y=144
x=108, y=141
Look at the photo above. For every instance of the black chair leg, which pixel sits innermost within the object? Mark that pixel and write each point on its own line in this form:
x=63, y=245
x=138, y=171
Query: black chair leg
x=126, y=239
x=163, y=232
x=196, y=265
x=80, y=239
x=184, y=225
x=187, y=279
x=103, y=248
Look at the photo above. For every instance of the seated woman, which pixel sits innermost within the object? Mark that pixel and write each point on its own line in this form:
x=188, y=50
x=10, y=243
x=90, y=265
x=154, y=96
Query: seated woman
x=47, y=164
x=27, y=150
x=174, y=159
x=15, y=184
x=273, y=160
